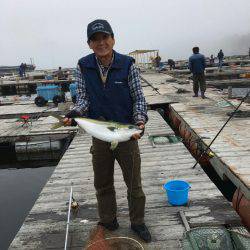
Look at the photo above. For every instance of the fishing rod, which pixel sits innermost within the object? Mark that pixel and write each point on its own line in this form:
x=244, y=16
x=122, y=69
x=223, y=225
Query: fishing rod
x=73, y=204
x=229, y=118
x=149, y=84
x=68, y=220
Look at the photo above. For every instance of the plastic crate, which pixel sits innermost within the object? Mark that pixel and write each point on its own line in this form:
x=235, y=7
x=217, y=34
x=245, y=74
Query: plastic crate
x=48, y=92
x=72, y=88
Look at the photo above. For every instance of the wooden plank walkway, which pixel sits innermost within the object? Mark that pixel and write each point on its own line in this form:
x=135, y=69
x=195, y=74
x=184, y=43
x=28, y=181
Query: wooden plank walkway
x=44, y=227
x=163, y=84
x=34, y=82
x=205, y=118
x=231, y=148
x=26, y=108
x=224, y=84
x=12, y=130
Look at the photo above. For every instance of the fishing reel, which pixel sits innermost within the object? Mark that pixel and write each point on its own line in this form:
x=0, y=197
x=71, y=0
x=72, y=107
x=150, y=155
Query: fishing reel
x=74, y=206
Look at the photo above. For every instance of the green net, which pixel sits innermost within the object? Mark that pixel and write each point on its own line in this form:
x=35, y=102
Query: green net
x=214, y=238
x=164, y=139
x=173, y=138
x=223, y=104
x=160, y=140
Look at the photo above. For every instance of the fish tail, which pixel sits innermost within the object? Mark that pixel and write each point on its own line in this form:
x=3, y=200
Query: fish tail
x=58, y=117
x=57, y=125
x=113, y=145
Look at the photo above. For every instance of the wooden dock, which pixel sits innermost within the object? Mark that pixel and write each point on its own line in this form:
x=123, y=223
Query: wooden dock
x=24, y=87
x=214, y=74
x=231, y=148
x=13, y=130
x=19, y=108
x=34, y=82
x=224, y=84
x=39, y=123
x=44, y=227
x=204, y=118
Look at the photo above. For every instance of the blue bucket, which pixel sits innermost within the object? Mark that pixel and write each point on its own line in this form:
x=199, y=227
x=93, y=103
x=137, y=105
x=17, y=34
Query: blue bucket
x=48, y=92
x=72, y=88
x=177, y=192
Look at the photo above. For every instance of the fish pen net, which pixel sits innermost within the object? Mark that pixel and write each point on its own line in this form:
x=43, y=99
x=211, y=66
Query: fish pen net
x=211, y=238
x=115, y=243
x=240, y=114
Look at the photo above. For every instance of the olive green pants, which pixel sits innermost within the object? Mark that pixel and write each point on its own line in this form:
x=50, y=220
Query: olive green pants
x=199, y=81
x=127, y=155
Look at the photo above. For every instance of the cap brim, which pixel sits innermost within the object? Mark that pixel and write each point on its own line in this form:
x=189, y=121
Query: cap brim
x=98, y=31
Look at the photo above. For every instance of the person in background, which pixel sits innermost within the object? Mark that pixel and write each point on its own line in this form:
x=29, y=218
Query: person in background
x=22, y=69
x=197, y=65
x=171, y=64
x=211, y=60
x=60, y=74
x=220, y=58
x=47, y=76
x=109, y=88
x=157, y=60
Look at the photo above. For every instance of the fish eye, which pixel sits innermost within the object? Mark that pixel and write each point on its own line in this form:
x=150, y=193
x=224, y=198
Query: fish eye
x=111, y=128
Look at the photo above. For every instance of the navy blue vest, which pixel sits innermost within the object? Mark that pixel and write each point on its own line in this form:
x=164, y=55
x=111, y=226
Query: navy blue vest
x=111, y=101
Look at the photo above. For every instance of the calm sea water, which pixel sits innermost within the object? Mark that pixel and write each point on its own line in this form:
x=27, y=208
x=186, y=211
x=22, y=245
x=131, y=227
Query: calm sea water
x=19, y=189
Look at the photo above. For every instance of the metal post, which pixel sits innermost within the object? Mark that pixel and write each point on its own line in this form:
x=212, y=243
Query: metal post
x=184, y=220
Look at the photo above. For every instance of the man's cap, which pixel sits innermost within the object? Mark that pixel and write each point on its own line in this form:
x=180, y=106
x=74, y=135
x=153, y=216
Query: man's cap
x=99, y=25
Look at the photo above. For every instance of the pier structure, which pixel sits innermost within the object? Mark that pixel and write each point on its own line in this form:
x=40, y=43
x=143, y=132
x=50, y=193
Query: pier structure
x=167, y=99
x=44, y=227
x=204, y=118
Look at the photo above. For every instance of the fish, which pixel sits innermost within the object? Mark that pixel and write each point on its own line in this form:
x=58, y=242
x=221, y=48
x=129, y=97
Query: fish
x=108, y=131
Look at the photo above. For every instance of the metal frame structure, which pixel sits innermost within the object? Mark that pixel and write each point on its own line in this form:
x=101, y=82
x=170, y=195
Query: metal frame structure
x=144, y=57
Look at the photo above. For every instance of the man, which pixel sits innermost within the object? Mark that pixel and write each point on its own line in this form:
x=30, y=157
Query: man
x=197, y=66
x=22, y=69
x=220, y=57
x=171, y=64
x=211, y=60
x=109, y=88
x=60, y=73
x=157, y=60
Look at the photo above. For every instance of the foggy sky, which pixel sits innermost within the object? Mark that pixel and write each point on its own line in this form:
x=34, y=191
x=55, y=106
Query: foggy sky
x=53, y=32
